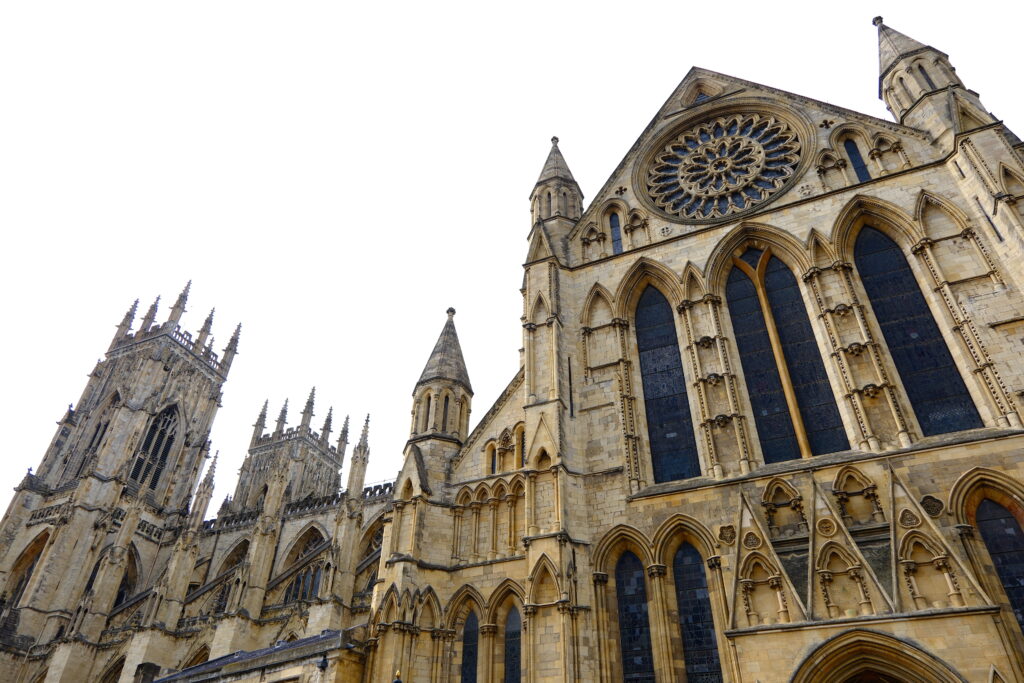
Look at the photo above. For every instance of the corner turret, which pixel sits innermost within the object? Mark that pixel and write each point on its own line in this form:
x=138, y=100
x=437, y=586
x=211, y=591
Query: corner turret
x=441, y=399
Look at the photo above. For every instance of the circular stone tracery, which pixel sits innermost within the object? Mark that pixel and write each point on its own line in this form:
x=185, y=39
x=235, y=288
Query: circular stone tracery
x=723, y=166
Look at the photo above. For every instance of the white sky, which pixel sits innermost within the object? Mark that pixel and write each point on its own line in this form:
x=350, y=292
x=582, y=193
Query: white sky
x=335, y=175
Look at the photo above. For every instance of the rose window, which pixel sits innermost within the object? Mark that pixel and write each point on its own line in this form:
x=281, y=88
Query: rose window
x=724, y=166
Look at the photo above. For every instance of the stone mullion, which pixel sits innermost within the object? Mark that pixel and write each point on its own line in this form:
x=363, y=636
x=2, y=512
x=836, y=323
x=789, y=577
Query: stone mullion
x=436, y=654
x=903, y=432
x=531, y=504
x=557, y=484
x=627, y=409
x=714, y=467
x=529, y=612
x=475, y=507
x=456, y=531
x=492, y=506
x=396, y=524
x=838, y=355
x=658, y=614
x=601, y=605
x=722, y=350
x=566, y=640
x=528, y=343
x=585, y=349
x=487, y=631
x=983, y=369
x=555, y=327
x=979, y=246
x=511, y=536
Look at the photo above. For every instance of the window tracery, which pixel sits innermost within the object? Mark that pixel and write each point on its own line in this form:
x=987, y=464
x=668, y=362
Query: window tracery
x=724, y=166
x=794, y=407
x=151, y=458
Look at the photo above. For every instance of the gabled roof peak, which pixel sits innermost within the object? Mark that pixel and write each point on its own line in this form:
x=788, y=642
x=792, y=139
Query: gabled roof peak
x=555, y=166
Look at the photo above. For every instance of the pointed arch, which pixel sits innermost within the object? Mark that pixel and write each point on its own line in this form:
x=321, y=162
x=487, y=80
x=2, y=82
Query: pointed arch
x=820, y=250
x=428, y=614
x=1011, y=180
x=542, y=442
x=777, y=486
x=131, y=579
x=937, y=216
x=849, y=479
x=979, y=483
x=693, y=282
x=539, y=247
x=616, y=541
x=467, y=598
x=500, y=490
x=505, y=590
x=597, y=307
x=199, y=655
x=642, y=273
x=541, y=310
x=24, y=567
x=914, y=538
x=161, y=442
x=760, y=236
x=544, y=584
x=112, y=673
x=754, y=560
x=858, y=651
x=679, y=529
x=234, y=556
x=465, y=497
x=833, y=549
x=861, y=210
x=312, y=536
x=388, y=610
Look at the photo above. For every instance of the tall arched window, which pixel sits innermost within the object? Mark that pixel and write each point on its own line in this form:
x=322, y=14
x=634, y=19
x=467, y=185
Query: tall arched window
x=1005, y=542
x=933, y=384
x=24, y=567
x=634, y=627
x=151, y=458
x=615, y=227
x=856, y=160
x=696, y=623
x=470, y=640
x=513, y=647
x=669, y=425
x=926, y=77
x=794, y=408
x=444, y=416
x=426, y=415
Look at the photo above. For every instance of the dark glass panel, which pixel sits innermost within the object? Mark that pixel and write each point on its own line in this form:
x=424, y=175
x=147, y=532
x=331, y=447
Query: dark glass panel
x=634, y=627
x=752, y=257
x=696, y=623
x=771, y=413
x=816, y=402
x=616, y=229
x=470, y=639
x=1005, y=542
x=856, y=160
x=934, y=385
x=513, y=648
x=670, y=428
x=927, y=78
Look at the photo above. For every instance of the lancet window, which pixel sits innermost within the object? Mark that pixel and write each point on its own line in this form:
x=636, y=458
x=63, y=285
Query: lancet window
x=696, y=622
x=513, y=647
x=151, y=458
x=1005, y=542
x=856, y=160
x=669, y=425
x=794, y=407
x=470, y=642
x=305, y=585
x=615, y=228
x=634, y=625
x=933, y=384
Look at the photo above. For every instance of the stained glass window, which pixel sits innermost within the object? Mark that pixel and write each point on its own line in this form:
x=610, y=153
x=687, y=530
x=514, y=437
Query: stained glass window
x=151, y=458
x=696, y=624
x=669, y=425
x=819, y=417
x=856, y=160
x=513, y=649
x=470, y=640
x=1005, y=542
x=634, y=627
x=616, y=230
x=933, y=384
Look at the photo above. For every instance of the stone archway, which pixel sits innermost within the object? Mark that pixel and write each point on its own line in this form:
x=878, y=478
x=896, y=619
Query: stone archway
x=861, y=656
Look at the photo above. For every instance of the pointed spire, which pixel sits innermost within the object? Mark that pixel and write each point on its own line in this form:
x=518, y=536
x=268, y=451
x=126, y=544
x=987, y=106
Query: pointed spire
x=325, y=431
x=307, y=412
x=446, y=361
x=261, y=423
x=343, y=438
x=231, y=350
x=892, y=45
x=208, y=478
x=364, y=437
x=179, y=306
x=125, y=325
x=204, y=332
x=555, y=166
x=282, y=417
x=147, y=320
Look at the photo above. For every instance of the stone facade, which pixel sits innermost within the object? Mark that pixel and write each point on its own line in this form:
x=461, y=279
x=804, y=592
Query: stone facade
x=766, y=426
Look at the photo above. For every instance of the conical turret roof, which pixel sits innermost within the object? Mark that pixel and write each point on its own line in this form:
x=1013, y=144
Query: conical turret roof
x=446, y=361
x=892, y=45
x=555, y=166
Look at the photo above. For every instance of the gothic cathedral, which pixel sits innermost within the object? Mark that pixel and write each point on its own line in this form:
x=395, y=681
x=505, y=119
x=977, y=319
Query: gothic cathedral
x=767, y=428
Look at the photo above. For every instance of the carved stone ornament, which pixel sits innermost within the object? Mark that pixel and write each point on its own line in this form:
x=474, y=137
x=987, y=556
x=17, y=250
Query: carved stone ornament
x=727, y=534
x=932, y=505
x=705, y=342
x=909, y=520
x=724, y=166
x=826, y=526
x=751, y=540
